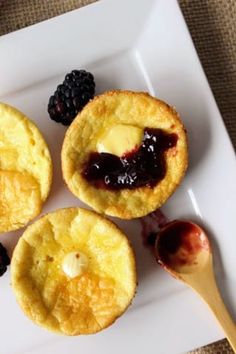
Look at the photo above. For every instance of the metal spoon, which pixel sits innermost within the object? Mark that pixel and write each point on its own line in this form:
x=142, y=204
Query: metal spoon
x=182, y=248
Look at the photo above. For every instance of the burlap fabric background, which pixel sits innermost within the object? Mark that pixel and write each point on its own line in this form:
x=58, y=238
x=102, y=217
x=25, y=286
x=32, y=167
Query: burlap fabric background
x=212, y=24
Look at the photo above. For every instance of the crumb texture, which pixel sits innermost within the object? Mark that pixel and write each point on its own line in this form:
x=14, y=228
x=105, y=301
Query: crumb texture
x=84, y=304
x=25, y=169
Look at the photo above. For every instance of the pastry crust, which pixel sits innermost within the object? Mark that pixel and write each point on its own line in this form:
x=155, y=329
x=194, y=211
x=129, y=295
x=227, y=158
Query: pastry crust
x=84, y=304
x=25, y=169
x=122, y=107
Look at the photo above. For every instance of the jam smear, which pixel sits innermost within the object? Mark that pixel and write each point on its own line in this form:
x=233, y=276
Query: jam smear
x=179, y=244
x=145, y=166
x=151, y=225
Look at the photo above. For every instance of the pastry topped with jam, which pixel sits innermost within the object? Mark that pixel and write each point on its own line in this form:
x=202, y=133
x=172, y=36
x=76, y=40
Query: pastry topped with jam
x=125, y=153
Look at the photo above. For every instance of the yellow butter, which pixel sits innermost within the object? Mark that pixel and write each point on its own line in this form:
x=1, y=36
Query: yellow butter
x=75, y=264
x=120, y=139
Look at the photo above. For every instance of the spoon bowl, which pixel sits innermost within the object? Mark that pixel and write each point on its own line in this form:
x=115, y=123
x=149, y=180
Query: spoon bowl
x=183, y=249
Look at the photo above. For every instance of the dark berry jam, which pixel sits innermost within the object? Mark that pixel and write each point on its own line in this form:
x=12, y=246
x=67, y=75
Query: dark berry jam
x=145, y=166
x=151, y=239
x=4, y=260
x=179, y=243
x=151, y=225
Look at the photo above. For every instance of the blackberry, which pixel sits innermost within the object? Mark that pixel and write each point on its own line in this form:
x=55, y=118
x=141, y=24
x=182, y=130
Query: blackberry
x=4, y=259
x=71, y=96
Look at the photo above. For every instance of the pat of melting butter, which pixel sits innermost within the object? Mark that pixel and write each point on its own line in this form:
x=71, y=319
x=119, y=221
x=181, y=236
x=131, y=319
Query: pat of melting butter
x=75, y=264
x=120, y=139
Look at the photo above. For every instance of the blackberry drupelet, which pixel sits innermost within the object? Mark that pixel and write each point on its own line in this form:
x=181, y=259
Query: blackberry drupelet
x=4, y=259
x=71, y=96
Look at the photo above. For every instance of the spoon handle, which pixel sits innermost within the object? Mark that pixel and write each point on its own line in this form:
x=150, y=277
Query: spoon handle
x=208, y=290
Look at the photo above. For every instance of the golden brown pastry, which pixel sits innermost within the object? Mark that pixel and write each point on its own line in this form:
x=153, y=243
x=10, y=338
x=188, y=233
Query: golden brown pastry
x=125, y=153
x=25, y=169
x=73, y=272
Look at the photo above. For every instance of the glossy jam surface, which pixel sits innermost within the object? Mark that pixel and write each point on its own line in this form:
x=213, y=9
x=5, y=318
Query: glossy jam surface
x=179, y=244
x=144, y=166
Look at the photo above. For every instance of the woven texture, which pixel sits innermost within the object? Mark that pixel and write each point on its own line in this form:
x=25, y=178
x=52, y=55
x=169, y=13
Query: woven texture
x=212, y=24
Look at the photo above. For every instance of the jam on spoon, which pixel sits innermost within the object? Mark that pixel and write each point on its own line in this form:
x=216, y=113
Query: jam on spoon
x=180, y=245
x=145, y=166
x=182, y=248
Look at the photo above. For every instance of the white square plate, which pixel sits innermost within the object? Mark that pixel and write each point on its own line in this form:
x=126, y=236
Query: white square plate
x=137, y=45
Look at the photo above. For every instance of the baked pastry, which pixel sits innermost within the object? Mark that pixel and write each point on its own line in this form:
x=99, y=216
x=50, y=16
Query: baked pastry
x=125, y=153
x=25, y=169
x=73, y=272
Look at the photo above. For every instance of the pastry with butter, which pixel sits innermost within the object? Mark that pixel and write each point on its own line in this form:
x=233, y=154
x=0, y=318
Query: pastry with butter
x=125, y=153
x=73, y=272
x=25, y=169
